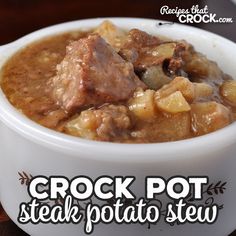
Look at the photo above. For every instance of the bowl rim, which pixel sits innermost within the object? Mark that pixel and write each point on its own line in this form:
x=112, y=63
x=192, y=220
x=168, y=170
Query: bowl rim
x=78, y=147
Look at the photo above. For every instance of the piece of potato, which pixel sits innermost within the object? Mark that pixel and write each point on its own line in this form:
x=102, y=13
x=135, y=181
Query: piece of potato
x=53, y=118
x=208, y=117
x=111, y=33
x=106, y=123
x=165, y=50
x=83, y=126
x=181, y=84
x=165, y=128
x=154, y=77
x=228, y=92
x=142, y=104
x=202, y=90
x=174, y=103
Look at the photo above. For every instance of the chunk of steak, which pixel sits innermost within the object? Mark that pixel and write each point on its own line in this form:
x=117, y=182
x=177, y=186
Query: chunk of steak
x=137, y=43
x=145, y=51
x=92, y=73
x=176, y=61
x=199, y=67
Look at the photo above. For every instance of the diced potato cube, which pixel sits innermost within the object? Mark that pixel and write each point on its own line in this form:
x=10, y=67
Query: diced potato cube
x=208, y=117
x=176, y=126
x=165, y=128
x=178, y=84
x=142, y=104
x=228, y=91
x=202, y=90
x=174, y=103
x=165, y=50
x=83, y=126
x=111, y=33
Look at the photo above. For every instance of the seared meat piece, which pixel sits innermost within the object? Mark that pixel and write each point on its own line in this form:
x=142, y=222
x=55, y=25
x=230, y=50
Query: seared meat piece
x=137, y=46
x=92, y=73
x=176, y=61
x=107, y=123
x=156, y=61
x=198, y=67
x=145, y=50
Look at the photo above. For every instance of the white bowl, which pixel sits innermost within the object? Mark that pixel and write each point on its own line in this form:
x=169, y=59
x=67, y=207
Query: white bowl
x=29, y=147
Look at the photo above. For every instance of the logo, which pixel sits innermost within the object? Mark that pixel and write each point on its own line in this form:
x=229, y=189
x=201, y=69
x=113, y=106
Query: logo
x=194, y=15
